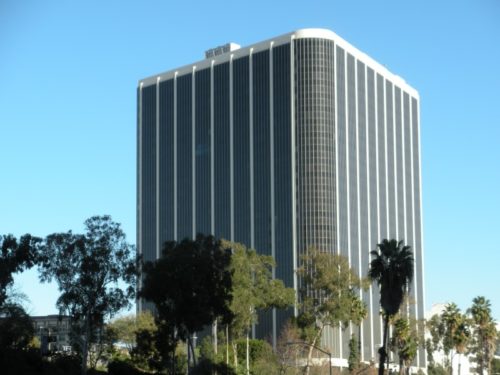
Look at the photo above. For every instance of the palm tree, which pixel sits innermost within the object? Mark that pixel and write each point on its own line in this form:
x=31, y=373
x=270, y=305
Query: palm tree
x=456, y=332
x=485, y=333
x=404, y=342
x=392, y=269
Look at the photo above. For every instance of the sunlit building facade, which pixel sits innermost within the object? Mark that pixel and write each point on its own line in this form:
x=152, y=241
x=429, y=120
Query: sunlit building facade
x=298, y=141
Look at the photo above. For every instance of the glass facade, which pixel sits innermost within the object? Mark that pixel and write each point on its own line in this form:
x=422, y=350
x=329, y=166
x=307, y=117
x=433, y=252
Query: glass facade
x=148, y=174
x=315, y=149
x=222, y=182
x=306, y=129
x=282, y=152
x=262, y=167
x=241, y=155
x=202, y=152
x=166, y=162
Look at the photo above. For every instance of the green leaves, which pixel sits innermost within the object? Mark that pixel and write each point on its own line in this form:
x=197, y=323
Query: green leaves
x=15, y=256
x=330, y=290
x=88, y=269
x=253, y=287
x=392, y=269
x=485, y=334
x=405, y=339
x=190, y=285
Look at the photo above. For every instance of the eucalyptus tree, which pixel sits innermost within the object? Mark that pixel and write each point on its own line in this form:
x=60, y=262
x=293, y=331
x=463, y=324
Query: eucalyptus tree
x=392, y=268
x=253, y=289
x=95, y=273
x=329, y=296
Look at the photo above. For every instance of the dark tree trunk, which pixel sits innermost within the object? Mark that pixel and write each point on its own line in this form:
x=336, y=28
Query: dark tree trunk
x=85, y=346
x=383, y=350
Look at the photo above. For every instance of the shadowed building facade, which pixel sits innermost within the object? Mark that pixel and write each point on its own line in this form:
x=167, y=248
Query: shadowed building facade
x=298, y=141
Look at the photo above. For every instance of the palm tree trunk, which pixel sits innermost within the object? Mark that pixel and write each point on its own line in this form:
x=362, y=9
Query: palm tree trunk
x=382, y=350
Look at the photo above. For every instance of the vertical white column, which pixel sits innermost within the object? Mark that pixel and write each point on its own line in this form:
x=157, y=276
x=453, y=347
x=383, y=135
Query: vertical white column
x=403, y=162
x=140, y=202
x=193, y=152
x=212, y=146
x=386, y=161
x=175, y=156
x=422, y=259
x=396, y=161
x=412, y=208
x=377, y=151
x=157, y=187
x=368, y=202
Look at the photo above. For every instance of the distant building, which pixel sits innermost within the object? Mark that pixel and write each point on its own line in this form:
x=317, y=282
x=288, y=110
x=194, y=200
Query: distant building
x=463, y=361
x=53, y=331
x=298, y=141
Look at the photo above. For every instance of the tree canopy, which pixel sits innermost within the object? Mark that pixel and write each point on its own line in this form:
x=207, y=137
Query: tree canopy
x=15, y=256
x=88, y=269
x=190, y=286
x=484, y=336
x=329, y=295
x=253, y=287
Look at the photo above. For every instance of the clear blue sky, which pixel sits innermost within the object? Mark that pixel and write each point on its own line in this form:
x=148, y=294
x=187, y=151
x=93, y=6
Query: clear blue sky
x=68, y=76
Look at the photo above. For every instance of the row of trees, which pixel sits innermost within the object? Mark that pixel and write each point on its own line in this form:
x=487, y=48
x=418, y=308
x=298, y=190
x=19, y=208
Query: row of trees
x=90, y=270
x=206, y=282
x=195, y=284
x=472, y=333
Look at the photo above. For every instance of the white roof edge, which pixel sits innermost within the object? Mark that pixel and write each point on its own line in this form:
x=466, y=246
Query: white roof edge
x=307, y=33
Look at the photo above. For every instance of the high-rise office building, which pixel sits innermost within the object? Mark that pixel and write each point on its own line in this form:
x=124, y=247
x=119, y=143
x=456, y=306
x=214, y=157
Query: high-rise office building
x=298, y=141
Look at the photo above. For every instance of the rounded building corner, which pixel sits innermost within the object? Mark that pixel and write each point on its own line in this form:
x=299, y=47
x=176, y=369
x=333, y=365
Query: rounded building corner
x=320, y=33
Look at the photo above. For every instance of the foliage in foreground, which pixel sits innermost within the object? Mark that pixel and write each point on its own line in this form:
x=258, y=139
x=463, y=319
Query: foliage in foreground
x=253, y=290
x=15, y=256
x=190, y=287
x=88, y=269
x=329, y=296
